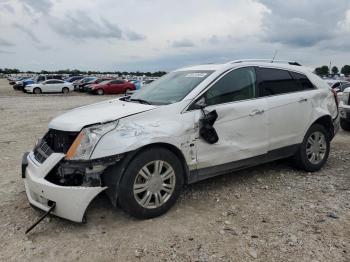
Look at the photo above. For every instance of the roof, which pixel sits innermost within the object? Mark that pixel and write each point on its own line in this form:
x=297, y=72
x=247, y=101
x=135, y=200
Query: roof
x=240, y=63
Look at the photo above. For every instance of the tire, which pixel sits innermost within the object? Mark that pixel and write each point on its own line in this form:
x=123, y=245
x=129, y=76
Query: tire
x=65, y=90
x=37, y=90
x=130, y=198
x=345, y=125
x=310, y=157
x=100, y=91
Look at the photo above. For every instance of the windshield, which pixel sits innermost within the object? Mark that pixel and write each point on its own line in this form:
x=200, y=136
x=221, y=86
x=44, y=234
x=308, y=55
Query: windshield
x=172, y=87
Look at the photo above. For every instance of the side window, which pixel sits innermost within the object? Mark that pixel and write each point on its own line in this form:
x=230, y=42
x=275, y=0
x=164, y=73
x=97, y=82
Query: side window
x=114, y=82
x=48, y=82
x=119, y=82
x=304, y=82
x=336, y=85
x=239, y=84
x=275, y=82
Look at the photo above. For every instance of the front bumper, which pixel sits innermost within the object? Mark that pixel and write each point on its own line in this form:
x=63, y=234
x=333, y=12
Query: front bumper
x=71, y=201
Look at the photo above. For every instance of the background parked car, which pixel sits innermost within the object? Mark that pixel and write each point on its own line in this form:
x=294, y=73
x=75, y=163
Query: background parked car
x=87, y=86
x=78, y=86
x=338, y=85
x=37, y=79
x=112, y=87
x=12, y=81
x=50, y=86
x=71, y=79
x=345, y=110
x=20, y=83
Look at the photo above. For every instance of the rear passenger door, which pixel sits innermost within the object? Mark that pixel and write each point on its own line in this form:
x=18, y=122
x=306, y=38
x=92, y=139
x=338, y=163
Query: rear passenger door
x=288, y=95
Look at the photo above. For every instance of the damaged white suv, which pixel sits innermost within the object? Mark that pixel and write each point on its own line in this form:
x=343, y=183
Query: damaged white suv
x=191, y=124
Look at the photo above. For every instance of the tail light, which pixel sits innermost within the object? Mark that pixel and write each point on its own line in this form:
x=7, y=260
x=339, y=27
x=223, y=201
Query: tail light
x=336, y=98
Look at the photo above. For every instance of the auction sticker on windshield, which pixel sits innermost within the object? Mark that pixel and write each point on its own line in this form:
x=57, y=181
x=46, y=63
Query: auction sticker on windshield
x=197, y=75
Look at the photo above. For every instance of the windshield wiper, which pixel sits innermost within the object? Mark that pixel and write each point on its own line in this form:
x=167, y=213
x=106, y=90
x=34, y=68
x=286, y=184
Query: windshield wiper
x=141, y=101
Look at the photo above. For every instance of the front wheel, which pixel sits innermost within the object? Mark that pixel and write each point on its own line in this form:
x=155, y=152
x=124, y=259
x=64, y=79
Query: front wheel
x=100, y=91
x=151, y=183
x=37, y=90
x=314, y=150
x=345, y=125
x=65, y=90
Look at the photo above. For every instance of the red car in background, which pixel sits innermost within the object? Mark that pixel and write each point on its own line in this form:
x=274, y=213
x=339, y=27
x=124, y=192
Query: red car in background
x=86, y=86
x=111, y=87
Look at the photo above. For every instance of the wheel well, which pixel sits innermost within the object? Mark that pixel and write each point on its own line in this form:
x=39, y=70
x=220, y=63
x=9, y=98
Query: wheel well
x=327, y=122
x=172, y=149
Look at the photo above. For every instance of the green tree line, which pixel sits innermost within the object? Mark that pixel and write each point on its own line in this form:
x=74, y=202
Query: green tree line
x=79, y=72
x=324, y=70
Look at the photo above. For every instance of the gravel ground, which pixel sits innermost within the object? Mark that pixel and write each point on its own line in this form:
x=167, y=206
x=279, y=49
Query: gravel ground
x=268, y=213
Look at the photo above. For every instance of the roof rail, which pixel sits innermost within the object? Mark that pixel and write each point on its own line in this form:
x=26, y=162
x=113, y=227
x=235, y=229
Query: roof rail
x=265, y=60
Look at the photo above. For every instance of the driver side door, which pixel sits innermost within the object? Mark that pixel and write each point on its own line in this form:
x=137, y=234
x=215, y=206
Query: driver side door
x=49, y=86
x=241, y=124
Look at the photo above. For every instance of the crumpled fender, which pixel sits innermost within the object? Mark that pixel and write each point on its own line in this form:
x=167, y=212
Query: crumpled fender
x=161, y=125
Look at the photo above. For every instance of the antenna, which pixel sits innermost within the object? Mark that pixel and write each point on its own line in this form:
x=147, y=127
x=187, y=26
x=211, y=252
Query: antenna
x=274, y=56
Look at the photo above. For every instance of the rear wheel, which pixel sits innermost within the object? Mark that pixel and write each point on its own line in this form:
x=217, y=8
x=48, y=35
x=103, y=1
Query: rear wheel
x=37, y=90
x=151, y=183
x=100, y=91
x=314, y=150
x=65, y=90
x=345, y=124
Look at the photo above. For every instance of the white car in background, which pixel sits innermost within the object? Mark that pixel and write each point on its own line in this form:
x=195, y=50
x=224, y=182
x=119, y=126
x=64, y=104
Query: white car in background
x=338, y=86
x=50, y=86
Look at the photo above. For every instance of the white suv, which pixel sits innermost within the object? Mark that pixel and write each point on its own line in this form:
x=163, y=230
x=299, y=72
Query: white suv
x=191, y=124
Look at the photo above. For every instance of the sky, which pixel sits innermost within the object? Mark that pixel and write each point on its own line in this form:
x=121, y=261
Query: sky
x=151, y=35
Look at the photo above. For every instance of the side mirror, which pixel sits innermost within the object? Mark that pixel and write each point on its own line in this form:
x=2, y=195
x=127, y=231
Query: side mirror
x=207, y=130
x=200, y=103
x=336, y=89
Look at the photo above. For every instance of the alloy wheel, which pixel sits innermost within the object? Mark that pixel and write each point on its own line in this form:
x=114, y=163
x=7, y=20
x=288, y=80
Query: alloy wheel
x=316, y=147
x=154, y=184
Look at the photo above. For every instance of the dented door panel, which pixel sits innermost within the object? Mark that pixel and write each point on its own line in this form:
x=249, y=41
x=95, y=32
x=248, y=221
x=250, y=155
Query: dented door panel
x=242, y=131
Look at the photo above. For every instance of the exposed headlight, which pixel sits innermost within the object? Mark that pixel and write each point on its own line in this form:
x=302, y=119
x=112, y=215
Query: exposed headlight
x=84, y=144
x=345, y=98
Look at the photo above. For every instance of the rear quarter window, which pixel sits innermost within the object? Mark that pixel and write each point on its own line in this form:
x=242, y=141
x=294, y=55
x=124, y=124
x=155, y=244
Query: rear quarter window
x=275, y=82
x=304, y=82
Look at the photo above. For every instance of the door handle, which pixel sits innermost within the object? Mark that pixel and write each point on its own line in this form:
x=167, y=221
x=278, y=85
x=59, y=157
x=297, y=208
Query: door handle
x=301, y=100
x=257, y=112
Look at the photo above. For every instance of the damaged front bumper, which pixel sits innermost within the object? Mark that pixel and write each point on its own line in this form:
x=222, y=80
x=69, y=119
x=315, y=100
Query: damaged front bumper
x=55, y=181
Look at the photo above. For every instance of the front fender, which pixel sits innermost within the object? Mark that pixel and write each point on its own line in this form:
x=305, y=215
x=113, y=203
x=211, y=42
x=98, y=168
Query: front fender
x=141, y=130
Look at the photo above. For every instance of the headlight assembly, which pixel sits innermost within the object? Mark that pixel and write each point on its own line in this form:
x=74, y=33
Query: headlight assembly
x=84, y=144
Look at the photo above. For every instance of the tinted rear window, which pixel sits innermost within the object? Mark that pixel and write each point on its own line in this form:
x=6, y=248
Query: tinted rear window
x=304, y=82
x=275, y=81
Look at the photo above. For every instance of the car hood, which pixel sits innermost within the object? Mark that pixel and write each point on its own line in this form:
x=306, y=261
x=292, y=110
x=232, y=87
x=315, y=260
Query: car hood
x=102, y=112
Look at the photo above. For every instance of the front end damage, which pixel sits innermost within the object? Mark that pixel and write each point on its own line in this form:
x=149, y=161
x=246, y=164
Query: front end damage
x=50, y=179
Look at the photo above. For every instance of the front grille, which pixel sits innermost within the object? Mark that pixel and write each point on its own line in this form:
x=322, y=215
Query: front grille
x=42, y=151
x=60, y=141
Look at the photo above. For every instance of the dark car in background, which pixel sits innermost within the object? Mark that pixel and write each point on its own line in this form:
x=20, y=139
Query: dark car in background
x=78, y=85
x=71, y=79
x=112, y=87
x=86, y=86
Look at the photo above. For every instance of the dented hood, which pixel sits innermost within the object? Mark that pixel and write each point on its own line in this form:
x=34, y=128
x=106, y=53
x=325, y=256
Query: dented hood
x=76, y=119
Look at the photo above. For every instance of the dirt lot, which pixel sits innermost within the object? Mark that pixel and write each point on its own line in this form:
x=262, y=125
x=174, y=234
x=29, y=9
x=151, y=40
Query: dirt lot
x=268, y=213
